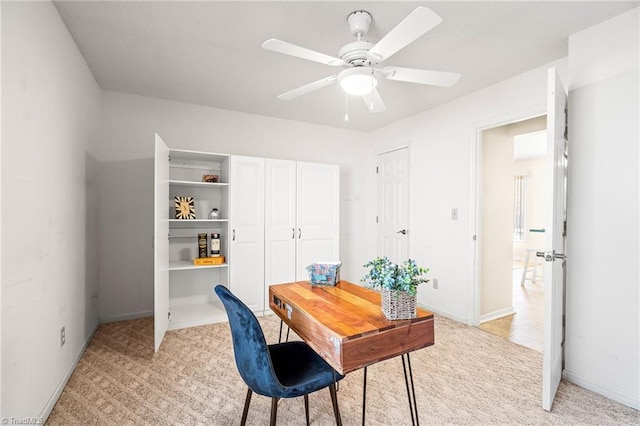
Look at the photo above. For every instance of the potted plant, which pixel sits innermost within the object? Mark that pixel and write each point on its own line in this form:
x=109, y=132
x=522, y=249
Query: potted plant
x=398, y=284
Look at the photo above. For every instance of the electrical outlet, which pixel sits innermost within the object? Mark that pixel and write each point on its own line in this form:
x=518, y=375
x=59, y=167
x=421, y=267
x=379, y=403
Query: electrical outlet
x=62, y=337
x=435, y=283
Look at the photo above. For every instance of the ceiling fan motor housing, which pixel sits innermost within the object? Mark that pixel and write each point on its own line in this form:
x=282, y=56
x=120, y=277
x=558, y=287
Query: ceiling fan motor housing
x=355, y=53
x=359, y=22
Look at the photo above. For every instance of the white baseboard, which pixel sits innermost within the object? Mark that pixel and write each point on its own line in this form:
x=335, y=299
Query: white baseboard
x=126, y=317
x=48, y=408
x=442, y=313
x=611, y=394
x=497, y=314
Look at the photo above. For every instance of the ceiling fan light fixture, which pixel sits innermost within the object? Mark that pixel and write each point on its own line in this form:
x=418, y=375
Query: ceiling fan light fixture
x=358, y=81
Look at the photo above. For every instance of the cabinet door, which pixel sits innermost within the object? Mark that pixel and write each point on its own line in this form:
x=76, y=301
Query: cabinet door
x=317, y=215
x=161, y=242
x=247, y=230
x=280, y=223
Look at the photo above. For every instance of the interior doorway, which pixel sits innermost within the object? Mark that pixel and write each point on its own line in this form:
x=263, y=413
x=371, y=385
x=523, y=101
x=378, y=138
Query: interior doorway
x=511, y=207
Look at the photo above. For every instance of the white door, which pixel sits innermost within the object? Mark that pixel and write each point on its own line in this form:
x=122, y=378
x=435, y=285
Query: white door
x=280, y=222
x=247, y=230
x=317, y=215
x=393, y=205
x=161, y=242
x=554, y=277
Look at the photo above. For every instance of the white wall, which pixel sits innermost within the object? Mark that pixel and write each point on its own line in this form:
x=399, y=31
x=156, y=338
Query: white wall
x=443, y=157
x=536, y=171
x=126, y=194
x=49, y=175
x=603, y=306
x=496, y=295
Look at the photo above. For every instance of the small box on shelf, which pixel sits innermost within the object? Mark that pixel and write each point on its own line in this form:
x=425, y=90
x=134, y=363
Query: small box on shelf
x=210, y=178
x=201, y=261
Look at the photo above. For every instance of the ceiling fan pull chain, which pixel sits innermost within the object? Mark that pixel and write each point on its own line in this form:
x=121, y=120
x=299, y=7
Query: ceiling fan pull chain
x=372, y=87
x=346, y=107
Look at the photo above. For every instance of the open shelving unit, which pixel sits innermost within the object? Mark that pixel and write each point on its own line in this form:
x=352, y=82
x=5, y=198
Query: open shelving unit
x=191, y=299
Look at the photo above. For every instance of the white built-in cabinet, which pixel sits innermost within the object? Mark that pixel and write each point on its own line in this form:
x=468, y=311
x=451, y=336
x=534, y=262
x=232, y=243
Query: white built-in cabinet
x=276, y=218
x=302, y=218
x=247, y=230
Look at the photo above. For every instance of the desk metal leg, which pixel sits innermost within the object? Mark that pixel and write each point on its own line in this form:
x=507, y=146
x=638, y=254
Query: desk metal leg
x=280, y=333
x=411, y=394
x=364, y=395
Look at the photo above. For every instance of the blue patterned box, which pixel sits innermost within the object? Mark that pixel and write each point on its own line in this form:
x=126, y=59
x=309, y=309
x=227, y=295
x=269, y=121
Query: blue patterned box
x=324, y=273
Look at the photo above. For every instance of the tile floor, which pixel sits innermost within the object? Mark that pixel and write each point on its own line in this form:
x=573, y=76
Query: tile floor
x=525, y=327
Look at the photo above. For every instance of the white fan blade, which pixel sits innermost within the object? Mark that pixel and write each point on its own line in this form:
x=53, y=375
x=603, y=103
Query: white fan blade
x=412, y=75
x=301, y=52
x=303, y=90
x=417, y=23
x=374, y=102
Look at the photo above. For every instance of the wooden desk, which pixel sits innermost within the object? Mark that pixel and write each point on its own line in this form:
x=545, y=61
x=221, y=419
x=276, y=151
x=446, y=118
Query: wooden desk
x=345, y=325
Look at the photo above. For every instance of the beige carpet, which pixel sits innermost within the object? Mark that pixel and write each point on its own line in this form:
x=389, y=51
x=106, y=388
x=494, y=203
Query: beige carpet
x=468, y=377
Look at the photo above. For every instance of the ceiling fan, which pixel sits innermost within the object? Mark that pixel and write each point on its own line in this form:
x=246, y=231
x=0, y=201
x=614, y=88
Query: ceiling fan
x=361, y=58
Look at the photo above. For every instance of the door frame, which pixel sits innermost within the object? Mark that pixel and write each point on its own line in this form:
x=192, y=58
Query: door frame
x=386, y=150
x=475, y=222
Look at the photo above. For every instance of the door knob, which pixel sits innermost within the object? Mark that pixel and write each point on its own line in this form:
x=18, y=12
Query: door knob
x=550, y=256
x=402, y=231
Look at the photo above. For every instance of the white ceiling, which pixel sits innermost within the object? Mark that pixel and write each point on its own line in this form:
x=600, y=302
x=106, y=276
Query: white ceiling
x=209, y=52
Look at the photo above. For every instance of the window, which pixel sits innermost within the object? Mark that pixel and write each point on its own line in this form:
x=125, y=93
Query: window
x=519, y=188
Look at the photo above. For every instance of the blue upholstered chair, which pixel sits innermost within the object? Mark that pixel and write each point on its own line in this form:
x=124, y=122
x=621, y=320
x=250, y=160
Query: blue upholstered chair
x=283, y=370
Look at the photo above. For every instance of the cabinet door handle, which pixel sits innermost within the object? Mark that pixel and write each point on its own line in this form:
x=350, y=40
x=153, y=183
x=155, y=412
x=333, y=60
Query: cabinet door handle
x=293, y=233
x=299, y=233
x=233, y=237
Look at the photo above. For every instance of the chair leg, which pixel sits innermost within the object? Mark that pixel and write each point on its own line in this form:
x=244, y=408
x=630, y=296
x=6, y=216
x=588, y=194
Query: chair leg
x=334, y=402
x=247, y=401
x=306, y=408
x=274, y=411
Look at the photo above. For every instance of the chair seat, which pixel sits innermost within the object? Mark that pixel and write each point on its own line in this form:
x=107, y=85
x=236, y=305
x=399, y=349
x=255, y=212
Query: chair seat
x=300, y=370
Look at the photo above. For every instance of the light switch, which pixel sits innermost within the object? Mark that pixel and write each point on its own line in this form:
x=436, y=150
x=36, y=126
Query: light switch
x=454, y=214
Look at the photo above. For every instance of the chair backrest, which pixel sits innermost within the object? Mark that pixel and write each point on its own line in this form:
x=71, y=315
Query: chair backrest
x=249, y=346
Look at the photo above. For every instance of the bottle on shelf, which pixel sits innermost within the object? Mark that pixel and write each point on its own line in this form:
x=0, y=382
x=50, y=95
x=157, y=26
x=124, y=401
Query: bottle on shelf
x=214, y=214
x=202, y=245
x=215, y=245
